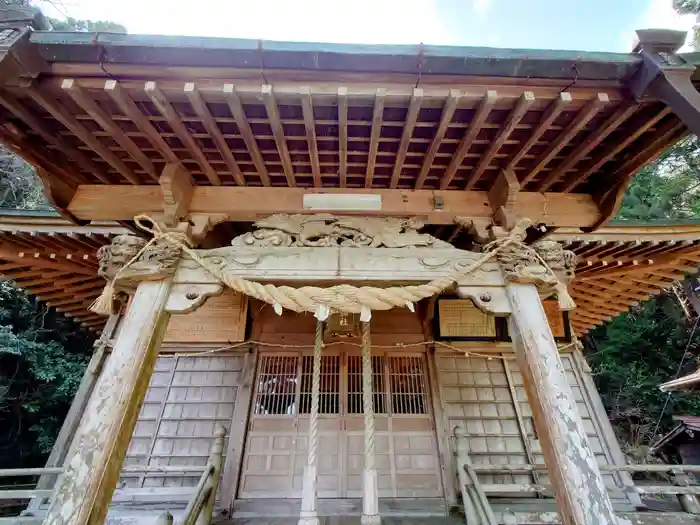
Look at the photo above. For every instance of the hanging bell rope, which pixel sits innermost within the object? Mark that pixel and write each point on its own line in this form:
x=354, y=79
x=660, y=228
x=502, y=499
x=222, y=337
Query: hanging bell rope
x=339, y=298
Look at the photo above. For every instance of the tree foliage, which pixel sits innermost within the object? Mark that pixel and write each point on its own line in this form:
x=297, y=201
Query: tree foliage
x=43, y=356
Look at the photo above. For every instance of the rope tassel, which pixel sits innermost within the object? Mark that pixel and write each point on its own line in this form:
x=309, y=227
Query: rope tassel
x=104, y=304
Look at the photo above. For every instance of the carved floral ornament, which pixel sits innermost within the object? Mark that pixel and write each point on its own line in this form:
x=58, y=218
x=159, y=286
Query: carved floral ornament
x=130, y=259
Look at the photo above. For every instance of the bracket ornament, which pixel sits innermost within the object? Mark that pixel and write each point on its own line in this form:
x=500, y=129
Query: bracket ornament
x=545, y=264
x=326, y=230
x=154, y=262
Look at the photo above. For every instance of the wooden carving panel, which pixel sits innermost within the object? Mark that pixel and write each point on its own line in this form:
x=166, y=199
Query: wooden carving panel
x=459, y=318
x=220, y=319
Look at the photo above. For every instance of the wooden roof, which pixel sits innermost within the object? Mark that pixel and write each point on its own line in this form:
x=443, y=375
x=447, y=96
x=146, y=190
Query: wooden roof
x=55, y=260
x=113, y=109
x=619, y=266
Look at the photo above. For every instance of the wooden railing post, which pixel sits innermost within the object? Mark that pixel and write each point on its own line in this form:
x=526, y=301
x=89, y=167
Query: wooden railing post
x=216, y=462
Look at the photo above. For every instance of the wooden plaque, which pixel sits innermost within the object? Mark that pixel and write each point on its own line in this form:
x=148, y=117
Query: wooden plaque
x=460, y=319
x=220, y=319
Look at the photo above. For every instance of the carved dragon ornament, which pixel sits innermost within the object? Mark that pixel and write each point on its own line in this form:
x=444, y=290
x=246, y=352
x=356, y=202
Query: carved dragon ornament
x=325, y=230
x=157, y=261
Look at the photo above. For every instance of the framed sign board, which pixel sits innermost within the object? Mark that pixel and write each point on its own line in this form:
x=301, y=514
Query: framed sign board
x=221, y=319
x=459, y=320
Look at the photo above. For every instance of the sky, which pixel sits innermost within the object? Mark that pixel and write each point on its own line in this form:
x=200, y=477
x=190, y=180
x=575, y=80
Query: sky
x=586, y=25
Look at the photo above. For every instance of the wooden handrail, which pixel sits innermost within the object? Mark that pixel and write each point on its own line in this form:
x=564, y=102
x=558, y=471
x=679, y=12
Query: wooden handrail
x=200, y=508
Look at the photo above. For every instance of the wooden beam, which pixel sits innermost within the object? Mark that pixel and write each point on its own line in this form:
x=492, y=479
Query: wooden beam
x=448, y=111
x=613, y=150
x=105, y=121
x=591, y=141
x=482, y=112
x=85, y=490
x=60, y=113
x=202, y=111
x=273, y=115
x=235, y=106
x=548, y=118
x=120, y=96
x=377, y=119
x=51, y=137
x=589, y=111
x=177, y=188
x=343, y=135
x=307, y=108
x=502, y=198
x=14, y=255
x=524, y=102
x=409, y=125
x=579, y=489
x=163, y=105
x=115, y=202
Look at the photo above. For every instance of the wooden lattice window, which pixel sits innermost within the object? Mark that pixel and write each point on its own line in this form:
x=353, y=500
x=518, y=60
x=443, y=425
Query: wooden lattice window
x=329, y=397
x=407, y=385
x=355, y=384
x=276, y=387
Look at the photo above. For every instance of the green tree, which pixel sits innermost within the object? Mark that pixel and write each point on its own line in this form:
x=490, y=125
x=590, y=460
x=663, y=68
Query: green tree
x=43, y=356
x=690, y=7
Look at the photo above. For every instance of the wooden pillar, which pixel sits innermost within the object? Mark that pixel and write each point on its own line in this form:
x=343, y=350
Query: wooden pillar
x=85, y=490
x=580, y=492
x=370, y=477
x=309, y=502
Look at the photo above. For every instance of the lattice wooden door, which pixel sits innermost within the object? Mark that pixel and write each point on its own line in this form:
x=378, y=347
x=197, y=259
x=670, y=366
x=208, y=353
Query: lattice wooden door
x=276, y=446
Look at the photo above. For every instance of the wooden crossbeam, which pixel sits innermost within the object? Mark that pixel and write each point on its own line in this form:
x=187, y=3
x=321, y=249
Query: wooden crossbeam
x=613, y=150
x=591, y=141
x=343, y=135
x=125, y=103
x=482, y=112
x=202, y=111
x=105, y=121
x=548, y=117
x=590, y=110
x=273, y=116
x=117, y=202
x=236, y=108
x=409, y=124
x=307, y=109
x=377, y=118
x=163, y=105
x=448, y=111
x=60, y=113
x=524, y=102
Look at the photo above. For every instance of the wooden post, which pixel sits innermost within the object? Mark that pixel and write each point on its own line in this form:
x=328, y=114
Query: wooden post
x=92, y=468
x=215, y=460
x=580, y=492
x=309, y=503
x=370, y=477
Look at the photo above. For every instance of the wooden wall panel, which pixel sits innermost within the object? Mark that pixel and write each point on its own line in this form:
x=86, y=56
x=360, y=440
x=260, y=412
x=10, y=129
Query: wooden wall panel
x=220, y=319
x=188, y=397
x=488, y=395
